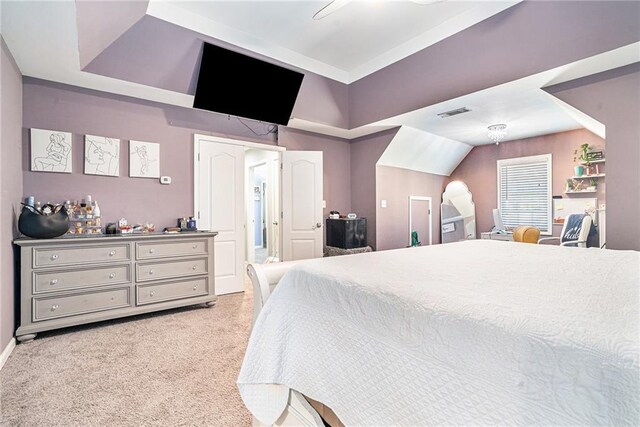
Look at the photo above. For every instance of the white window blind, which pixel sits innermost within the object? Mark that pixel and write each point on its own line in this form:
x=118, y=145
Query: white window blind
x=524, y=191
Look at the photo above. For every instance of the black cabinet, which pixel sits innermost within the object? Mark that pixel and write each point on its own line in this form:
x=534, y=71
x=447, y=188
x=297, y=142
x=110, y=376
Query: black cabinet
x=347, y=233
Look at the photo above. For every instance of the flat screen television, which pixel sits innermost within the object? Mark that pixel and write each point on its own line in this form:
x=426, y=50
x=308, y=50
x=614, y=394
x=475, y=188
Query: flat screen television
x=239, y=85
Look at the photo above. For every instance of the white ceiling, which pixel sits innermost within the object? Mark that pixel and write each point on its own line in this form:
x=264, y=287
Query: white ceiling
x=353, y=42
x=527, y=113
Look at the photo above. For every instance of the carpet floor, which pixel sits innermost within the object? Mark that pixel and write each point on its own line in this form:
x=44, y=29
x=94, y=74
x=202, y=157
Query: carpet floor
x=173, y=368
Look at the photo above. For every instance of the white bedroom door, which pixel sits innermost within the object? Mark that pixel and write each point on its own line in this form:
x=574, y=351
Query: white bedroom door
x=220, y=206
x=302, y=233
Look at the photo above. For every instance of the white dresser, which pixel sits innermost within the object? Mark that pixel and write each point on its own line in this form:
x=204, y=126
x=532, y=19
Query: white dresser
x=75, y=280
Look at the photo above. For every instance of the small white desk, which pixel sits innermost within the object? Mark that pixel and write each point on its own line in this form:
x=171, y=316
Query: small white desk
x=492, y=235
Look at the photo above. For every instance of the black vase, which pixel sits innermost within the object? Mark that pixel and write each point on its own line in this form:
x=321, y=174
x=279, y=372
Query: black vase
x=38, y=226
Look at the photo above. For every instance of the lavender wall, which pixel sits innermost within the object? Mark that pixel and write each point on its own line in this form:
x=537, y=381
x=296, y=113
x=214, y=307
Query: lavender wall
x=613, y=98
x=479, y=169
x=395, y=185
x=10, y=185
x=80, y=111
x=365, y=153
x=528, y=38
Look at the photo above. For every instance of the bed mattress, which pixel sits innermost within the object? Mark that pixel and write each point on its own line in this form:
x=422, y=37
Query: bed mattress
x=479, y=332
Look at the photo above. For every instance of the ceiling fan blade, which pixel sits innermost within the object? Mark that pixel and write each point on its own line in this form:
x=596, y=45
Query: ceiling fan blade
x=338, y=4
x=330, y=8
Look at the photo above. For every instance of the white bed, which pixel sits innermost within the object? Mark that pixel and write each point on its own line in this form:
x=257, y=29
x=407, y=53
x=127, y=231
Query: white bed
x=478, y=332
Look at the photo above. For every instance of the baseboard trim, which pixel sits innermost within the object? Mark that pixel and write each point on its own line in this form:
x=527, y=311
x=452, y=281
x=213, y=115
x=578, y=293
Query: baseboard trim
x=7, y=352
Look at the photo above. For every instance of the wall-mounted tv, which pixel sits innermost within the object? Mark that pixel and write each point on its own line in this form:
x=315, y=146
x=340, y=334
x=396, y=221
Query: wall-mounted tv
x=236, y=84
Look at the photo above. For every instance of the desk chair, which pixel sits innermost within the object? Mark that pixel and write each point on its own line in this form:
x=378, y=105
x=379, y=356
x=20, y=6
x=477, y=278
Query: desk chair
x=526, y=234
x=575, y=231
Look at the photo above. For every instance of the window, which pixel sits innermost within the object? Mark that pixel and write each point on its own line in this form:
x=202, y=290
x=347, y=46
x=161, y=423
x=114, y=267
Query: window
x=524, y=191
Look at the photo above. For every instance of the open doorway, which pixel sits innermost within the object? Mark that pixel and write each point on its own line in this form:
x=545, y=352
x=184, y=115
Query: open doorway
x=223, y=193
x=262, y=206
x=420, y=223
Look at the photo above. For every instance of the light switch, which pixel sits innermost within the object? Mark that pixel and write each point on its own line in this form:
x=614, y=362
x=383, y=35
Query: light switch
x=166, y=180
x=383, y=203
x=324, y=204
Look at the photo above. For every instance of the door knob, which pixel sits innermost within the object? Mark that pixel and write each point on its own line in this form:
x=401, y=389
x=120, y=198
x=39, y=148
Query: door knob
x=319, y=225
x=275, y=222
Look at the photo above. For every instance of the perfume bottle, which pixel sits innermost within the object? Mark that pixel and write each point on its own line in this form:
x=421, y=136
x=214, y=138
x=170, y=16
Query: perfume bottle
x=96, y=214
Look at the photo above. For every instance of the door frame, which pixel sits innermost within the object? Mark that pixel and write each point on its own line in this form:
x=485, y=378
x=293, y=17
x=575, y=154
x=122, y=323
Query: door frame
x=197, y=138
x=422, y=199
x=249, y=213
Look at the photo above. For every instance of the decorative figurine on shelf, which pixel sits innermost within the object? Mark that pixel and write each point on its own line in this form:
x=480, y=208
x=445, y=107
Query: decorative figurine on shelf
x=569, y=185
x=583, y=158
x=577, y=185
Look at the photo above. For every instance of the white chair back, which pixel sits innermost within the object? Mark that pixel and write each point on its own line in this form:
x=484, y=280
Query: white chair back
x=576, y=228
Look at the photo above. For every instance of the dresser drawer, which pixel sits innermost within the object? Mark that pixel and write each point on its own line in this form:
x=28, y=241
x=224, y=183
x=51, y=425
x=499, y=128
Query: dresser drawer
x=154, y=250
x=45, y=308
x=171, y=269
x=51, y=281
x=152, y=293
x=48, y=257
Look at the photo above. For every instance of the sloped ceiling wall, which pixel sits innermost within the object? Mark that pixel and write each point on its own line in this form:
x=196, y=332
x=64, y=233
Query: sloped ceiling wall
x=421, y=151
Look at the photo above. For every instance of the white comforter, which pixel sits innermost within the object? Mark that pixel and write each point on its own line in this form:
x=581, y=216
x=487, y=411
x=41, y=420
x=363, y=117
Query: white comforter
x=478, y=332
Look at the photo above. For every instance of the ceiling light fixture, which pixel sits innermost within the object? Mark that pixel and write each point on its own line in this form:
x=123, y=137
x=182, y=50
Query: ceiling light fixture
x=497, y=132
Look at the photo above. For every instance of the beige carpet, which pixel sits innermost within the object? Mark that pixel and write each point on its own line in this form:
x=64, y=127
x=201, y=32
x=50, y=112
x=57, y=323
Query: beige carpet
x=174, y=368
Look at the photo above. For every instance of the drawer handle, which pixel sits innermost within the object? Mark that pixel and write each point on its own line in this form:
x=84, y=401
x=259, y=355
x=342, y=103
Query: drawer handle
x=151, y=250
x=194, y=268
x=194, y=247
x=54, y=282
x=54, y=307
x=150, y=271
x=195, y=288
x=112, y=253
x=112, y=275
x=54, y=257
x=152, y=293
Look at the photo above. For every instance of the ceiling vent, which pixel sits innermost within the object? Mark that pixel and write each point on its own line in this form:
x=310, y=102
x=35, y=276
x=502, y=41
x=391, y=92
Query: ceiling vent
x=453, y=112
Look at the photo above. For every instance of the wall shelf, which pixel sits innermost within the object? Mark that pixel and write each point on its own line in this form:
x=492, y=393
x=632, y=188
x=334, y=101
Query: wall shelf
x=593, y=161
x=581, y=192
x=595, y=175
